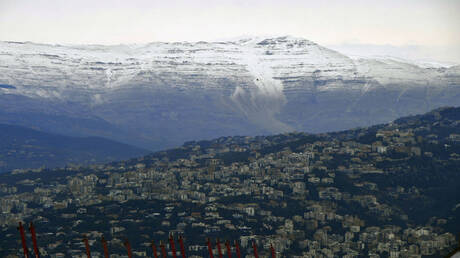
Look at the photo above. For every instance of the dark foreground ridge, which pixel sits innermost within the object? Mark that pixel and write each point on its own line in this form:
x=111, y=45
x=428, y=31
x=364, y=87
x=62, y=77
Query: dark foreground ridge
x=386, y=190
x=22, y=148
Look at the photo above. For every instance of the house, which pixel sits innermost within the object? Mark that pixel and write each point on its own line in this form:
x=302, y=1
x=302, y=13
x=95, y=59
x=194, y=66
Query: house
x=455, y=253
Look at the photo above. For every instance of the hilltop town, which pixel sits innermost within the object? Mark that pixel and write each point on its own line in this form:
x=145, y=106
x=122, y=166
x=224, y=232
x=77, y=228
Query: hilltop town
x=384, y=191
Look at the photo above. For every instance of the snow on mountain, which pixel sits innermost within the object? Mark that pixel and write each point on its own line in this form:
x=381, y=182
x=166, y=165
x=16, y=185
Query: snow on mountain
x=47, y=70
x=242, y=86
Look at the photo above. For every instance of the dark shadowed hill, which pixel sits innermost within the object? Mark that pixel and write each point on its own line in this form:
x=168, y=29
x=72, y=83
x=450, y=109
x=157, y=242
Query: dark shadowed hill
x=22, y=147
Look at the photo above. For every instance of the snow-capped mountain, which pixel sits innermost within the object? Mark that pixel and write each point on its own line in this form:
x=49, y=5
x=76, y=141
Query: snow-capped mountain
x=161, y=94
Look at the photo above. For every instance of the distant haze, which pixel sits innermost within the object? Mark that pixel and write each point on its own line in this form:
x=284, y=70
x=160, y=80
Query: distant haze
x=434, y=55
x=427, y=23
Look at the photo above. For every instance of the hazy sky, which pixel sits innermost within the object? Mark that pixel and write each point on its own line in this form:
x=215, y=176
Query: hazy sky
x=434, y=23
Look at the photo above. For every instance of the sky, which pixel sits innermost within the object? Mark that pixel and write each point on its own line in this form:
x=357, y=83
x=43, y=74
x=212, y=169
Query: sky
x=428, y=24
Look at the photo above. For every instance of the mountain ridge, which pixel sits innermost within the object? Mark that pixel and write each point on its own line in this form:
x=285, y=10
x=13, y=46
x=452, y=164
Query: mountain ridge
x=26, y=148
x=152, y=95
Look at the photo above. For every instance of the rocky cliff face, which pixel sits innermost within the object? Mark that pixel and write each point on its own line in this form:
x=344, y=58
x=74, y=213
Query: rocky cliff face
x=161, y=94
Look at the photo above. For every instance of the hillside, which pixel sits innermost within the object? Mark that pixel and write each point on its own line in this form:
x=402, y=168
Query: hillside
x=390, y=189
x=161, y=94
x=22, y=148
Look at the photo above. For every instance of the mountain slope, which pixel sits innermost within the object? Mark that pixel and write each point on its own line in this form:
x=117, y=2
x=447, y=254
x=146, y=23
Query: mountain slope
x=27, y=148
x=161, y=94
x=386, y=190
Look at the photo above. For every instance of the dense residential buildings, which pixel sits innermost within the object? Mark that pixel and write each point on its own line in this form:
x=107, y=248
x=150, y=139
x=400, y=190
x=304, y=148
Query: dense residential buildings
x=375, y=192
